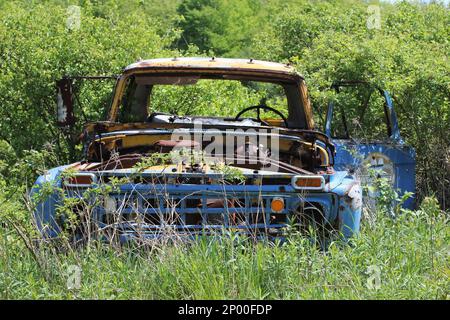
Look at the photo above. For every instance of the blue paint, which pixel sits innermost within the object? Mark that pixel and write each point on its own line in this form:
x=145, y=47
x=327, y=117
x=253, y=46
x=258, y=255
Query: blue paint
x=333, y=200
x=350, y=154
x=45, y=211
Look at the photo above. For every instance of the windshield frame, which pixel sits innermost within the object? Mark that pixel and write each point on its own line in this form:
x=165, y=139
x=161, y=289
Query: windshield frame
x=299, y=108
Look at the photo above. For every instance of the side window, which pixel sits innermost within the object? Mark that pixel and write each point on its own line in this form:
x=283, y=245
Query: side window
x=135, y=102
x=359, y=113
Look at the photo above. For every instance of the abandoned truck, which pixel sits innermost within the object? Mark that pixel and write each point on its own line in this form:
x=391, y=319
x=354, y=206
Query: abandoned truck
x=163, y=171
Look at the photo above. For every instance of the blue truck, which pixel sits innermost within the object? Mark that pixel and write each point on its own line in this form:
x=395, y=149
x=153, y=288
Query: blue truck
x=367, y=137
x=152, y=169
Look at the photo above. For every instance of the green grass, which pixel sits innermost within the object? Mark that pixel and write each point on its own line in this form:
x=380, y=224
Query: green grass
x=412, y=253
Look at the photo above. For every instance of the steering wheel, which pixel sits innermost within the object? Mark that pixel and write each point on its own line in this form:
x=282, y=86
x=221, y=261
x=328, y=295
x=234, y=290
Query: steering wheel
x=258, y=108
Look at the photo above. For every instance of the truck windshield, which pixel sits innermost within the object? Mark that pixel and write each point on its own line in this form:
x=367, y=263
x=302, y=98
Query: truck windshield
x=194, y=96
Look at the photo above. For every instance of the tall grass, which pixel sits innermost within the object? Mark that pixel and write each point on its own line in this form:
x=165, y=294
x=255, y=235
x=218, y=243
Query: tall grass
x=411, y=253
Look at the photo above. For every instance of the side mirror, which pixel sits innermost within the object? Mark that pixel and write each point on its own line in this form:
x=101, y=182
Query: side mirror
x=64, y=103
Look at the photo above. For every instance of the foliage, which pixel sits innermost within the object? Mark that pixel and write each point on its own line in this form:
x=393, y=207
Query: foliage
x=410, y=253
x=218, y=97
x=162, y=159
x=229, y=173
x=330, y=40
x=222, y=27
x=37, y=48
x=326, y=40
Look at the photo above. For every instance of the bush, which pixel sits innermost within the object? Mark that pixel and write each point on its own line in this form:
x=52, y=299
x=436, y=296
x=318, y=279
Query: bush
x=330, y=41
x=37, y=48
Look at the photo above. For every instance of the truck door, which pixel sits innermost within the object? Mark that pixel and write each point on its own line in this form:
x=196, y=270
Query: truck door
x=362, y=123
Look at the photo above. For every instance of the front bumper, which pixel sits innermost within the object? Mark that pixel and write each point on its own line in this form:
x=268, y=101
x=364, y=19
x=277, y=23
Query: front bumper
x=155, y=211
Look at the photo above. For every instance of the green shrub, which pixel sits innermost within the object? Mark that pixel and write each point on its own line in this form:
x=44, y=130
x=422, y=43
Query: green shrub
x=37, y=48
x=329, y=41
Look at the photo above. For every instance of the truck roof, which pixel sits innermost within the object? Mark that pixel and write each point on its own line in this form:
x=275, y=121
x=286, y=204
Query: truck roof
x=219, y=64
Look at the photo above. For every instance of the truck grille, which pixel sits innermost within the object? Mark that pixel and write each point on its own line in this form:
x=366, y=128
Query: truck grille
x=192, y=212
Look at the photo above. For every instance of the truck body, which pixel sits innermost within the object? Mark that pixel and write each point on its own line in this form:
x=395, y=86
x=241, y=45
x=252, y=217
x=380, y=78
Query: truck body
x=148, y=174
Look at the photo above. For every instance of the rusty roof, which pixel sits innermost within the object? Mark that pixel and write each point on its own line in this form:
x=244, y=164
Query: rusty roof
x=213, y=64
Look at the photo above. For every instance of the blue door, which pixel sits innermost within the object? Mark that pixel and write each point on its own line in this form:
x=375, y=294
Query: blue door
x=362, y=123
